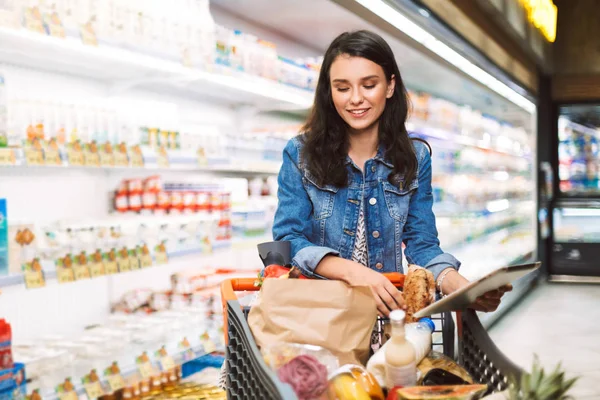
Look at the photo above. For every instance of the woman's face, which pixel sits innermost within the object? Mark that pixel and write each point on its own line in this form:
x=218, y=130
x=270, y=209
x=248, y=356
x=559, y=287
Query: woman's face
x=359, y=90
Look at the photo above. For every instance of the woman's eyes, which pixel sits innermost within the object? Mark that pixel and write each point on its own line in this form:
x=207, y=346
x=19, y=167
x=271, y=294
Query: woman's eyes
x=368, y=87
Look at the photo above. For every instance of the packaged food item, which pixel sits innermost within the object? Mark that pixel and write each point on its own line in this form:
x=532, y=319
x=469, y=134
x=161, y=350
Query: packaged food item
x=419, y=290
x=419, y=334
x=400, y=355
x=436, y=360
x=306, y=375
x=278, y=355
x=6, y=358
x=455, y=392
x=352, y=382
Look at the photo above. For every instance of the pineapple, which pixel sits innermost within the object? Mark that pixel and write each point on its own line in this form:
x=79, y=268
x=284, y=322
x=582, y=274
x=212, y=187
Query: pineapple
x=539, y=386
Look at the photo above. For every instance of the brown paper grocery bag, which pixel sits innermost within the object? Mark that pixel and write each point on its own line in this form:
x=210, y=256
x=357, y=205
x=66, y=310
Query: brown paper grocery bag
x=329, y=314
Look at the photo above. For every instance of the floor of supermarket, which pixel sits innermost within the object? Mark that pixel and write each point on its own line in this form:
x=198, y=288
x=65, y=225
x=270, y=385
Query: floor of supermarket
x=559, y=323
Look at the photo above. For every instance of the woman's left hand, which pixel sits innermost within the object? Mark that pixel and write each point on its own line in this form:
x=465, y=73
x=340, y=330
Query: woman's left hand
x=488, y=302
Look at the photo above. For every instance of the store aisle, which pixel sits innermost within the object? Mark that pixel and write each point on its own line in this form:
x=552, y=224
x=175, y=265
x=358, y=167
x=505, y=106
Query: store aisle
x=559, y=322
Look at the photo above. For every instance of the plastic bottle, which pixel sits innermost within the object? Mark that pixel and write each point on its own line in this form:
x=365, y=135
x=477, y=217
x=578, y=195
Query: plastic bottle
x=400, y=355
x=419, y=334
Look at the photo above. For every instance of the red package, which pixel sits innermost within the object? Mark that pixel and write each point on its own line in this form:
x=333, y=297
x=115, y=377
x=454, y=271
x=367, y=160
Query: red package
x=6, y=360
x=121, y=202
x=189, y=201
x=176, y=200
x=149, y=200
x=135, y=185
x=164, y=200
x=203, y=202
x=152, y=184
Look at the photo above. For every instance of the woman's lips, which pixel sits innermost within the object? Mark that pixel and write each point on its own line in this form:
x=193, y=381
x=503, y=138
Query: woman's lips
x=358, y=113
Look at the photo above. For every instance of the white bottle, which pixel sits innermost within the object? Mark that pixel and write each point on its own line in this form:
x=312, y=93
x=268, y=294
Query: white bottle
x=400, y=356
x=419, y=334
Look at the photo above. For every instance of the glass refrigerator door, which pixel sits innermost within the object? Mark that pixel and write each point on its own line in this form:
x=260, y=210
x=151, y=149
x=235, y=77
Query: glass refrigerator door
x=576, y=247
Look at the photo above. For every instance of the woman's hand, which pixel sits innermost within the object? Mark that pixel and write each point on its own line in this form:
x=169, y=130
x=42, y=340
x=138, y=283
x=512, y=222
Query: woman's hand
x=488, y=302
x=386, y=295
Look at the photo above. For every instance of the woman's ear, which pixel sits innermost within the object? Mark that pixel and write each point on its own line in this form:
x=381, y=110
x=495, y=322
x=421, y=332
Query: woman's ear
x=391, y=87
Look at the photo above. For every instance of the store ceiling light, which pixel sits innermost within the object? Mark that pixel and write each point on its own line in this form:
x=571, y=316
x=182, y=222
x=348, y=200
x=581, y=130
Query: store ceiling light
x=394, y=17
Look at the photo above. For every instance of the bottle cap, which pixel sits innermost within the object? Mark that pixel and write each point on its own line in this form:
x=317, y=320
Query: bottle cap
x=428, y=322
x=397, y=316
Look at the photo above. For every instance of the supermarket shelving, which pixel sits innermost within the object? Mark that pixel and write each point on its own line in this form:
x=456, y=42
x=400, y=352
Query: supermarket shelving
x=175, y=258
x=124, y=68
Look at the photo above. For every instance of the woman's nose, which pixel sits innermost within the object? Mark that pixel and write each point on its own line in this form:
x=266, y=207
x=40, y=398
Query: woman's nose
x=357, y=97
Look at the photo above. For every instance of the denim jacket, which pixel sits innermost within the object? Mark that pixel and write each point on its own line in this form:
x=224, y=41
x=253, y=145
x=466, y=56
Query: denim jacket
x=322, y=220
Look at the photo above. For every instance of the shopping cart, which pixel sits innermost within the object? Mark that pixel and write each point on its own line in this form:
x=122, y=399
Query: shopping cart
x=248, y=377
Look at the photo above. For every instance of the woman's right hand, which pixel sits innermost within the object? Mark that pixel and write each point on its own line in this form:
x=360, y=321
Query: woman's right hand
x=387, y=297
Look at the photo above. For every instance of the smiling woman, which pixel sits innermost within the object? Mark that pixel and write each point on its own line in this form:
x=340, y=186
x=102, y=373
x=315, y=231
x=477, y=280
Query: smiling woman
x=354, y=187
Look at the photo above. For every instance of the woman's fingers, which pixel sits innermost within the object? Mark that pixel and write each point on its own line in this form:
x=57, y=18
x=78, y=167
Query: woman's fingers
x=396, y=295
x=387, y=298
x=382, y=309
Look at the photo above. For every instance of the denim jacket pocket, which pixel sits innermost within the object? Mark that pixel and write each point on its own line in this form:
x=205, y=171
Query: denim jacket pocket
x=397, y=198
x=321, y=196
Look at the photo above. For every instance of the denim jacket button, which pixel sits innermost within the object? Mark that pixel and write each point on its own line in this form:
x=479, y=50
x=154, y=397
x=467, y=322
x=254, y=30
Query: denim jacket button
x=372, y=201
x=379, y=266
x=373, y=169
x=375, y=234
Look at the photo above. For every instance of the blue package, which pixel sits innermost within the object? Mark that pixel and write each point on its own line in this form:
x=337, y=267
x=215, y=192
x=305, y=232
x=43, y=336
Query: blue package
x=3, y=238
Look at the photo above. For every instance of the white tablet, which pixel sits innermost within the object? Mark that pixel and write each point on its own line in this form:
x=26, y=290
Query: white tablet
x=464, y=297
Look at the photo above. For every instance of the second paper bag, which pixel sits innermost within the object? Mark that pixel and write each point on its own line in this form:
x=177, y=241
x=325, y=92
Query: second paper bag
x=329, y=314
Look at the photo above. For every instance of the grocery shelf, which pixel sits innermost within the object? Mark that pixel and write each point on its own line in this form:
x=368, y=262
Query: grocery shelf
x=475, y=265
x=132, y=369
x=266, y=168
x=454, y=138
x=219, y=245
x=124, y=68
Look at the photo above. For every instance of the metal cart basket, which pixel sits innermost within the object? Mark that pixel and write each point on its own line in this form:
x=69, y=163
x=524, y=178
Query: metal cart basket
x=248, y=377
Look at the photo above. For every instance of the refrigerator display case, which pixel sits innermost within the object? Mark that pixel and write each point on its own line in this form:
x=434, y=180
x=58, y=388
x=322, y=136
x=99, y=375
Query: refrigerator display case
x=576, y=212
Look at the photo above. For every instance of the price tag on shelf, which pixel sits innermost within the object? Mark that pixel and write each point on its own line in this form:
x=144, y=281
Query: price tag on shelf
x=209, y=346
x=81, y=272
x=7, y=157
x=70, y=395
x=34, y=157
x=32, y=18
x=162, y=157
x=137, y=158
x=207, y=343
x=107, y=159
x=65, y=275
x=167, y=363
x=115, y=382
x=96, y=269
x=201, y=155
x=161, y=257
x=34, y=279
x=52, y=157
x=146, y=260
x=114, y=377
x=134, y=262
x=91, y=159
x=146, y=370
x=111, y=267
x=121, y=159
x=94, y=390
x=123, y=264
x=75, y=157
x=88, y=35
x=55, y=26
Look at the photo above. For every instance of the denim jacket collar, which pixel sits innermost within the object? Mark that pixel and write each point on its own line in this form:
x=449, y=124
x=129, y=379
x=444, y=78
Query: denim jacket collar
x=380, y=156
